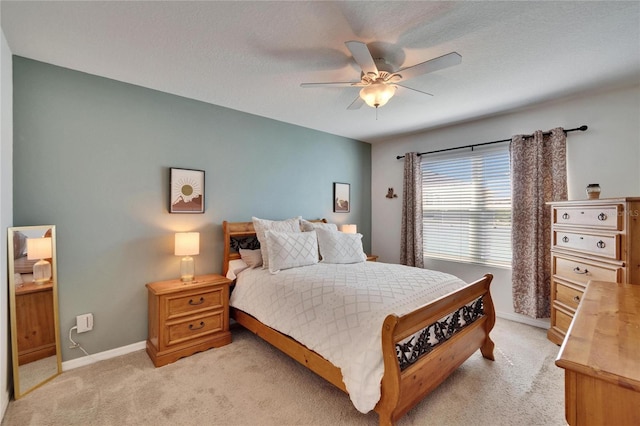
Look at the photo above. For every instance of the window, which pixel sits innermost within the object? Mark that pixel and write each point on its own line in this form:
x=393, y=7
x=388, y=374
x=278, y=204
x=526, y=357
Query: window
x=466, y=200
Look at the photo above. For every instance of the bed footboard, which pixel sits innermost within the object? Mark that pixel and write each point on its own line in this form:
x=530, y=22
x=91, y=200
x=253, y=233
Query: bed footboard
x=402, y=389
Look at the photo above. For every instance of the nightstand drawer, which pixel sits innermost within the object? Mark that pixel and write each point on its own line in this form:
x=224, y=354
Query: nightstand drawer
x=581, y=272
x=603, y=217
x=600, y=245
x=196, y=301
x=194, y=328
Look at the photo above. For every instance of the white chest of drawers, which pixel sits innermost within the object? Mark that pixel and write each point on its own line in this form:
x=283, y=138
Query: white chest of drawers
x=590, y=240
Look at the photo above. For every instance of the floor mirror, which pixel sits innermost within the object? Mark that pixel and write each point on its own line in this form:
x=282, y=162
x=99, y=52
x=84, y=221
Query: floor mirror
x=33, y=304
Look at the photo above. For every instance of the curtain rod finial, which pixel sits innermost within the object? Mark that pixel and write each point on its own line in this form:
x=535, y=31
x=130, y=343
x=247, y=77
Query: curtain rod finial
x=583, y=128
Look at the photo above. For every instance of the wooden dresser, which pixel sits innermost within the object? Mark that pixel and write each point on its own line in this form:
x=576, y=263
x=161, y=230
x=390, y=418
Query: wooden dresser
x=601, y=357
x=590, y=240
x=35, y=323
x=185, y=318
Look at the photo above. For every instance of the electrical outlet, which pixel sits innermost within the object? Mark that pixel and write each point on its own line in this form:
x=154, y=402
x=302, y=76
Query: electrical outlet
x=84, y=323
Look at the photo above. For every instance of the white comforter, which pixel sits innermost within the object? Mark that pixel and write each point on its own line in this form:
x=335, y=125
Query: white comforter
x=338, y=311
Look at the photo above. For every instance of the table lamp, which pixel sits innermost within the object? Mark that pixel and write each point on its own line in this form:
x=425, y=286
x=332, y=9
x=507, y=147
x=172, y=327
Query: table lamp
x=349, y=228
x=187, y=244
x=40, y=249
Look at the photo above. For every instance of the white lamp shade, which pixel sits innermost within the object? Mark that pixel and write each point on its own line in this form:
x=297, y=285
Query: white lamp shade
x=38, y=248
x=349, y=228
x=377, y=94
x=187, y=243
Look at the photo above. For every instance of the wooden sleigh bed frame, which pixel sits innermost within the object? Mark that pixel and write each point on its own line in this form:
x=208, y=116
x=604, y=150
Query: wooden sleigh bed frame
x=401, y=390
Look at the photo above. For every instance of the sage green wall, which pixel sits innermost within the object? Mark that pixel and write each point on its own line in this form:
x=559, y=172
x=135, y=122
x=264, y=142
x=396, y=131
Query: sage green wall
x=92, y=156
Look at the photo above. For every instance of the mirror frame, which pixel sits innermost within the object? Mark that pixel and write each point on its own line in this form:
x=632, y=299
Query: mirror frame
x=18, y=392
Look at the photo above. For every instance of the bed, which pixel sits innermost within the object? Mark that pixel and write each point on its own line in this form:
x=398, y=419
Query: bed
x=412, y=364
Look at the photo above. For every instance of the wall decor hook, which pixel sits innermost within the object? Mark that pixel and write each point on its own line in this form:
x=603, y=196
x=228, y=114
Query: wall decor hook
x=390, y=193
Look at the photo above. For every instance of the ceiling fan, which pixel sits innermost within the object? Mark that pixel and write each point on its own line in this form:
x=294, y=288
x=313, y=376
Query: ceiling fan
x=378, y=81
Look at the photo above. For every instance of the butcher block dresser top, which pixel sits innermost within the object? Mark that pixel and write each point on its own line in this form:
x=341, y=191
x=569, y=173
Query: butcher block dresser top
x=604, y=338
x=601, y=357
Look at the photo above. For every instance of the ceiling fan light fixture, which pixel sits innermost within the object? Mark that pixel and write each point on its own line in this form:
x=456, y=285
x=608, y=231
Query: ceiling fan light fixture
x=377, y=94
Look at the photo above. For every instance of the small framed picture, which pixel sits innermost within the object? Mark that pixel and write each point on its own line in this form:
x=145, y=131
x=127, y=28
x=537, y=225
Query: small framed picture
x=186, y=187
x=341, y=197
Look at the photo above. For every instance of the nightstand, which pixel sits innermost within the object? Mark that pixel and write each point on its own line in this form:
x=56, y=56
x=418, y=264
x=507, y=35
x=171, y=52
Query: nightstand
x=185, y=318
x=372, y=258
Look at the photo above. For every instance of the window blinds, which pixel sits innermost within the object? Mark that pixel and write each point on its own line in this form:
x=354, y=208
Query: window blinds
x=467, y=206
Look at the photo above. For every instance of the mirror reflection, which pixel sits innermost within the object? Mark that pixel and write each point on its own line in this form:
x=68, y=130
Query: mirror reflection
x=34, y=306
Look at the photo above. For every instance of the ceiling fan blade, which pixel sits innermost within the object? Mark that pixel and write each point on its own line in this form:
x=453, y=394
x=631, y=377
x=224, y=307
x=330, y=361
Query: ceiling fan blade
x=444, y=61
x=333, y=84
x=356, y=104
x=362, y=56
x=414, y=90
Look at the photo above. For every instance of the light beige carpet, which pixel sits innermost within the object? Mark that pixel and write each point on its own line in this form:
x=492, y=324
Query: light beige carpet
x=250, y=383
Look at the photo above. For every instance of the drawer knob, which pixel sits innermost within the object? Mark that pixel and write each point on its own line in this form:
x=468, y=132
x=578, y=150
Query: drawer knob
x=565, y=239
x=577, y=270
x=565, y=216
x=602, y=216
x=191, y=327
x=601, y=244
x=576, y=298
x=199, y=302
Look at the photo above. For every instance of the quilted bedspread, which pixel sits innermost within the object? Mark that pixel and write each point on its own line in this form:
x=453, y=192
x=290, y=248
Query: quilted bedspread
x=338, y=310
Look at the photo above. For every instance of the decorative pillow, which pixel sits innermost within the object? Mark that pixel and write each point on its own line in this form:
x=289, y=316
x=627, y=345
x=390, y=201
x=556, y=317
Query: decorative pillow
x=253, y=258
x=307, y=226
x=263, y=225
x=338, y=247
x=235, y=267
x=291, y=249
x=17, y=279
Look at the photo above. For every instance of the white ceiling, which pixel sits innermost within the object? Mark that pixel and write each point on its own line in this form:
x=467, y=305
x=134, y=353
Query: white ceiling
x=252, y=56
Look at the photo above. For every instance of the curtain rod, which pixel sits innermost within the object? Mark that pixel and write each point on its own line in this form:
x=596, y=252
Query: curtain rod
x=581, y=128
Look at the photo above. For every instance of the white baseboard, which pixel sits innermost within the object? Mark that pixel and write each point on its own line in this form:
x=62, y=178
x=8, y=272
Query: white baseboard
x=112, y=353
x=511, y=316
x=101, y=356
x=5, y=404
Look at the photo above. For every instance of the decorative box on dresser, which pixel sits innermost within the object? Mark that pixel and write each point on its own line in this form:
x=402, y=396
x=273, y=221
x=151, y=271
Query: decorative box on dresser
x=185, y=318
x=590, y=240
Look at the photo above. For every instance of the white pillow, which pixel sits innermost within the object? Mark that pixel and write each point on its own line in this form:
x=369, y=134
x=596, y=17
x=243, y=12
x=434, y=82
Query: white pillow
x=235, y=267
x=291, y=249
x=338, y=247
x=307, y=226
x=263, y=225
x=253, y=258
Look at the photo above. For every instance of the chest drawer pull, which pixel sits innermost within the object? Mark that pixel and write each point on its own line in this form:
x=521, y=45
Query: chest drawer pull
x=601, y=244
x=565, y=216
x=602, y=217
x=200, y=302
x=577, y=270
x=565, y=239
x=576, y=299
x=191, y=327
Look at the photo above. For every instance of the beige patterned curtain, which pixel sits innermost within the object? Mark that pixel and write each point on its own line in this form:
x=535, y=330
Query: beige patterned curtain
x=411, y=241
x=538, y=175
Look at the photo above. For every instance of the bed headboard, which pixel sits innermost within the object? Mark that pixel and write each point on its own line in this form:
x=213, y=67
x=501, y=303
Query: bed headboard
x=240, y=235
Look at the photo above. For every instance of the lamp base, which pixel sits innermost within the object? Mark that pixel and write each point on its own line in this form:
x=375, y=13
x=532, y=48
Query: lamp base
x=187, y=269
x=41, y=272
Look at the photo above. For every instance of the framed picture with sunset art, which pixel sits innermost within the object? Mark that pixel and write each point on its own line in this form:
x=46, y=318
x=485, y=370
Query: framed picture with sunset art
x=341, y=198
x=186, y=187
